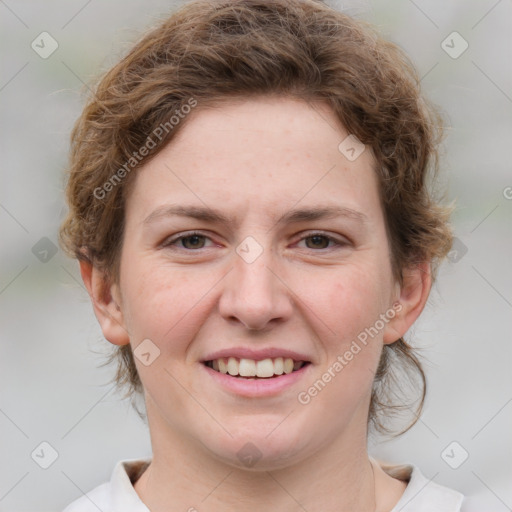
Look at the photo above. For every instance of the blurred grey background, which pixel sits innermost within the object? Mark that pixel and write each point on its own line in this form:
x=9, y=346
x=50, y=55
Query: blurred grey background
x=51, y=388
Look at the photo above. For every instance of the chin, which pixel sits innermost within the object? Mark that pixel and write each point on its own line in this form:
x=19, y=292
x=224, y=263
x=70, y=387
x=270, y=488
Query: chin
x=255, y=449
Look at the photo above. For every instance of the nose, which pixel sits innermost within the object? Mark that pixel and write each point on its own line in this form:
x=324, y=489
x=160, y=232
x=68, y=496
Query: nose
x=254, y=293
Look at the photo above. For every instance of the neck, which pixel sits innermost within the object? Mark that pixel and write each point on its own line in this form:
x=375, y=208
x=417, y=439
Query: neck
x=338, y=478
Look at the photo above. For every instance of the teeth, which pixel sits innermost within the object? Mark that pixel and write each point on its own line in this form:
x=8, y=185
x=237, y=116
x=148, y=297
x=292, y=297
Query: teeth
x=232, y=366
x=250, y=368
x=264, y=368
x=247, y=368
x=278, y=366
x=223, y=367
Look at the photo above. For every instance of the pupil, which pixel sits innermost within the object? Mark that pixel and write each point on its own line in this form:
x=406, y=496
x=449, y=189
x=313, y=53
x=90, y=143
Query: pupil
x=319, y=238
x=195, y=239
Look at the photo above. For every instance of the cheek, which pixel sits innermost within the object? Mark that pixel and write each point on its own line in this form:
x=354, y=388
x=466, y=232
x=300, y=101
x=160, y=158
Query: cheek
x=351, y=307
x=355, y=298
x=164, y=303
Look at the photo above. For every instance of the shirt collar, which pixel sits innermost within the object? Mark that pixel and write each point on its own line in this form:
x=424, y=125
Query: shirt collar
x=123, y=494
x=421, y=494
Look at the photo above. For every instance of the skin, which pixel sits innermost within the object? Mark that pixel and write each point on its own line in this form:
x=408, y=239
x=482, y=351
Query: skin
x=255, y=160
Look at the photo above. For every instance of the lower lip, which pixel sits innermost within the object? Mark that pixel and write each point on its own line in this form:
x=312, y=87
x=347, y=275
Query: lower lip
x=257, y=387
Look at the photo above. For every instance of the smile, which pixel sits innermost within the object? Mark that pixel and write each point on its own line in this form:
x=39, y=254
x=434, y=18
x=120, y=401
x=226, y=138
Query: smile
x=252, y=369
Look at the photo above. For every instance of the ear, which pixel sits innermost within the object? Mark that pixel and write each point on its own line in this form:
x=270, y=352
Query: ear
x=105, y=301
x=410, y=301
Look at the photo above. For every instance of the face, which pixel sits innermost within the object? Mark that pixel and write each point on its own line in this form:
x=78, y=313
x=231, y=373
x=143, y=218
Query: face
x=253, y=245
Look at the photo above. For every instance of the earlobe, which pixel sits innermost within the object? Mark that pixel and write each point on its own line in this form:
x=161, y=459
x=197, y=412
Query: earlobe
x=106, y=308
x=413, y=295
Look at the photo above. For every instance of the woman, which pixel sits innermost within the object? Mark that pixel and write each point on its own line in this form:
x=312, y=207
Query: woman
x=249, y=205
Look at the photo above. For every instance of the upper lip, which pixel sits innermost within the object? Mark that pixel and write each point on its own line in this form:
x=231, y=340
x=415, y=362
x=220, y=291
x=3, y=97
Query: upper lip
x=257, y=355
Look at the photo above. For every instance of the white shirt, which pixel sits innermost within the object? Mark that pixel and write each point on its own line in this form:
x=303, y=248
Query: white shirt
x=118, y=495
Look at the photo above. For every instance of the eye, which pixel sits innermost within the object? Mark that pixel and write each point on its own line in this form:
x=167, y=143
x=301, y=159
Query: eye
x=195, y=240
x=321, y=241
x=190, y=241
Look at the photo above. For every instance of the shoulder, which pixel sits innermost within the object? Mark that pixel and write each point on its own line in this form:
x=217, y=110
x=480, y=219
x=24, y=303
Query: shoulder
x=423, y=494
x=96, y=499
x=117, y=495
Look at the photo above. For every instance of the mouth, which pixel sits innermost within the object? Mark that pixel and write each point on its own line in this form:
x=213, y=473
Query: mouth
x=251, y=369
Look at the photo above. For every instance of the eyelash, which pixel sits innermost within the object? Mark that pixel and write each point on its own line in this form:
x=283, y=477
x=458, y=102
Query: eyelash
x=169, y=242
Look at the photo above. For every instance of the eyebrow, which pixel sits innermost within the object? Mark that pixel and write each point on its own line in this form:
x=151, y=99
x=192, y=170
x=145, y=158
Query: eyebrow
x=207, y=214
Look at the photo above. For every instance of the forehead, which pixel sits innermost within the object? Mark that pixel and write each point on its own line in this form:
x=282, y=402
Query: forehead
x=267, y=154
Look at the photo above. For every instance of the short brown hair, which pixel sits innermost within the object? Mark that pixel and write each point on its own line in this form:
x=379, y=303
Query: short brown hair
x=212, y=51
